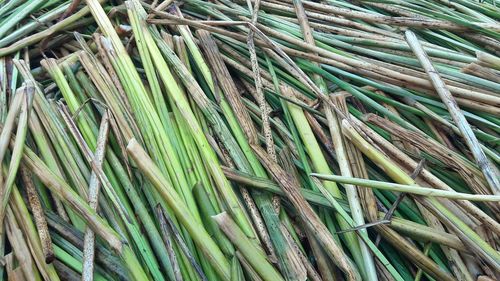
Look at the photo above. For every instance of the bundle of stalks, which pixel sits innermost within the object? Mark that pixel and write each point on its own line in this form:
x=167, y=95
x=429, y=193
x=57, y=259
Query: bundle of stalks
x=249, y=140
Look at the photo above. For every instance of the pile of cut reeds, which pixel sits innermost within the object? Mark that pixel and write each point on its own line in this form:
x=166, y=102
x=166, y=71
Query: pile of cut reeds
x=249, y=140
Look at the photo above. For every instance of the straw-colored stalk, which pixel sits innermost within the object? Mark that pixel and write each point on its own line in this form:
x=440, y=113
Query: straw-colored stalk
x=30, y=232
x=37, y=37
x=183, y=105
x=98, y=225
x=413, y=189
x=320, y=165
x=93, y=193
x=8, y=126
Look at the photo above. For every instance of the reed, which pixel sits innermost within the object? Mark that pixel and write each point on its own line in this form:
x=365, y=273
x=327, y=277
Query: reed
x=249, y=140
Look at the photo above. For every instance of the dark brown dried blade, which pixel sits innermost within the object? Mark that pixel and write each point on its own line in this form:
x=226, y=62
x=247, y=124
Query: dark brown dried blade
x=225, y=81
x=38, y=214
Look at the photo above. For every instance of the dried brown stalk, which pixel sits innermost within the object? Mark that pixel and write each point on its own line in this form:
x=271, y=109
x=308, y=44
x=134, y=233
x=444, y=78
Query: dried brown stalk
x=39, y=216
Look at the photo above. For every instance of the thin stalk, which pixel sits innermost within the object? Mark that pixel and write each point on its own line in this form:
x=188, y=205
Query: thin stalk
x=244, y=132
x=20, y=247
x=413, y=189
x=368, y=268
x=168, y=227
x=8, y=125
x=21, y=12
x=130, y=223
x=93, y=193
x=45, y=148
x=351, y=191
x=37, y=37
x=363, y=235
x=167, y=239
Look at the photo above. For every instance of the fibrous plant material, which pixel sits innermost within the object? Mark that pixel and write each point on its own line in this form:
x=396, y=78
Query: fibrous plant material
x=249, y=140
